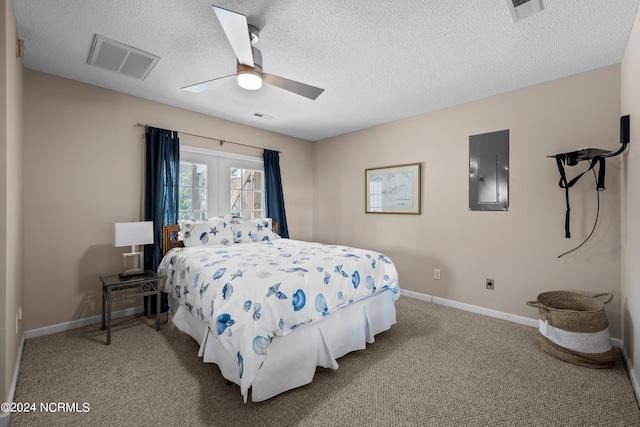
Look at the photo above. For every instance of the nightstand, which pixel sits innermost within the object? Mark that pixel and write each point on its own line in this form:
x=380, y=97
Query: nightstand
x=145, y=284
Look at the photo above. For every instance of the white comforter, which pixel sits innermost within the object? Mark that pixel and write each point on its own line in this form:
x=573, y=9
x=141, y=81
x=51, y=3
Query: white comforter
x=250, y=292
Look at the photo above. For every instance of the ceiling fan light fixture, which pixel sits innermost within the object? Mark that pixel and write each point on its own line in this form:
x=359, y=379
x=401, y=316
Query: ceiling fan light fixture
x=249, y=79
x=249, y=59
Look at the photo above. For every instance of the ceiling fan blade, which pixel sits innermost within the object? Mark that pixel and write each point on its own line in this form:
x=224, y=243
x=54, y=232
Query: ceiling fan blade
x=237, y=30
x=302, y=89
x=201, y=87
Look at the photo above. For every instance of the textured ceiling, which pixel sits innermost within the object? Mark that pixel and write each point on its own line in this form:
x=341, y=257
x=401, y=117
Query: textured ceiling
x=377, y=60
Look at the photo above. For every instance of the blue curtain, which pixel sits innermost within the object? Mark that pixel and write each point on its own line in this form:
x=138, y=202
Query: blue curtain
x=273, y=191
x=162, y=167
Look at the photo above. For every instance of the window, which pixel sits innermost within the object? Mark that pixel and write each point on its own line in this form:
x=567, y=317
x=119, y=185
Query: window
x=192, y=191
x=215, y=183
x=246, y=193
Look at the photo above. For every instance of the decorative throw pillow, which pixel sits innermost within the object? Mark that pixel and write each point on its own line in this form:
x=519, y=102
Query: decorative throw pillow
x=214, y=231
x=252, y=230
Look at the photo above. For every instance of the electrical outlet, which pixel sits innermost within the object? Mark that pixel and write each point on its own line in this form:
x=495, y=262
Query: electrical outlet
x=19, y=313
x=490, y=284
x=436, y=273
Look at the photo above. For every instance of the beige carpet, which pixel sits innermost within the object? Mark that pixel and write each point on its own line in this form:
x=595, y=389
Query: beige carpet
x=437, y=366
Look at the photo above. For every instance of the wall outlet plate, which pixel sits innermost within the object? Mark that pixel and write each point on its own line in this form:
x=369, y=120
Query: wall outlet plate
x=436, y=273
x=490, y=284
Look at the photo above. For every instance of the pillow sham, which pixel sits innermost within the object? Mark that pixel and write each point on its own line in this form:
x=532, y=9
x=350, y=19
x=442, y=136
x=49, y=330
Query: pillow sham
x=252, y=230
x=214, y=231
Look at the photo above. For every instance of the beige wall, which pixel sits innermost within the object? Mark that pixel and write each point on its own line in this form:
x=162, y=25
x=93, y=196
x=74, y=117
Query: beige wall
x=630, y=100
x=83, y=173
x=11, y=289
x=518, y=248
x=4, y=367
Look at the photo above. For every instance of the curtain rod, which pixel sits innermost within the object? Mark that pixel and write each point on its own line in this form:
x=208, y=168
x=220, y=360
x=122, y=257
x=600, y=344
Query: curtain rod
x=222, y=141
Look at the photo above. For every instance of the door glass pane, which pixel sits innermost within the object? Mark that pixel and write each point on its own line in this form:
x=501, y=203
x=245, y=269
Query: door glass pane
x=257, y=180
x=236, y=175
x=185, y=196
x=192, y=193
x=235, y=200
x=247, y=200
x=201, y=175
x=199, y=199
x=247, y=182
x=257, y=200
x=247, y=192
x=186, y=174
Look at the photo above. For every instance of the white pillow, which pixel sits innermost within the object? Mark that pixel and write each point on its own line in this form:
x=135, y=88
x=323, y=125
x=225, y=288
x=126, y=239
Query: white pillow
x=227, y=218
x=252, y=230
x=214, y=231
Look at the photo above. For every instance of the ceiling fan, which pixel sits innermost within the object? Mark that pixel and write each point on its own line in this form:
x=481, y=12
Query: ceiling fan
x=250, y=76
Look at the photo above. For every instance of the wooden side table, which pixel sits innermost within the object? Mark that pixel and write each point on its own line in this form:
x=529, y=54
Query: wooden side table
x=146, y=284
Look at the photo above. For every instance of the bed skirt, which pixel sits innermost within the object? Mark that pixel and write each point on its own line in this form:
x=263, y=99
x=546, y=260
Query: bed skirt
x=292, y=359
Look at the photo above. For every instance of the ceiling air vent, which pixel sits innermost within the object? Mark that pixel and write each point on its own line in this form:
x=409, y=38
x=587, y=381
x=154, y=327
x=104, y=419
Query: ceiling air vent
x=123, y=59
x=521, y=9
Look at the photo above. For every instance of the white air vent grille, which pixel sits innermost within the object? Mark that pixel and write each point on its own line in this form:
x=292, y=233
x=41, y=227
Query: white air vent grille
x=263, y=116
x=123, y=59
x=521, y=9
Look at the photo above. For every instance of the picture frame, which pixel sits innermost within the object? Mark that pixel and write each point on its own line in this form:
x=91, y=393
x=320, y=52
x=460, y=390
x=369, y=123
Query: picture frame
x=393, y=189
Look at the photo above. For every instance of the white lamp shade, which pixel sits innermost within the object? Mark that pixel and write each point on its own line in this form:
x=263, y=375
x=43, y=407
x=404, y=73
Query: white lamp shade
x=134, y=233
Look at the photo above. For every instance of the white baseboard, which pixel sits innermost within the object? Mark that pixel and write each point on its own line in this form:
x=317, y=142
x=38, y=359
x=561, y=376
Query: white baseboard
x=635, y=382
x=472, y=308
x=616, y=342
x=73, y=324
x=5, y=418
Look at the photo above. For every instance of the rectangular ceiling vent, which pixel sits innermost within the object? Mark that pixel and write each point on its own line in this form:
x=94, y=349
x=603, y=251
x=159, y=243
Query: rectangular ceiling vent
x=114, y=56
x=263, y=116
x=521, y=9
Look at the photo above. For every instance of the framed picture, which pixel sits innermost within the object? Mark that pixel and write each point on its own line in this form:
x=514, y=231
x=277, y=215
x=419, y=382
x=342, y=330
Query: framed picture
x=393, y=189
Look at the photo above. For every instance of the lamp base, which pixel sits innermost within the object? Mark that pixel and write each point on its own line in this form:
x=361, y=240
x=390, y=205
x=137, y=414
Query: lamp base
x=131, y=276
x=132, y=264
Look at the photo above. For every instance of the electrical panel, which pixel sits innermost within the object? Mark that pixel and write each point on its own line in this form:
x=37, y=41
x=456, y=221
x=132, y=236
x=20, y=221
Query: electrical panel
x=489, y=171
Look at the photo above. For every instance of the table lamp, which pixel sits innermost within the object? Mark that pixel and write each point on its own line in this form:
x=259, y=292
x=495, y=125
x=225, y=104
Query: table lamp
x=133, y=234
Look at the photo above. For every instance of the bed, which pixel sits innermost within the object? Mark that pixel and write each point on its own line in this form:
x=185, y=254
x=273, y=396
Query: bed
x=268, y=310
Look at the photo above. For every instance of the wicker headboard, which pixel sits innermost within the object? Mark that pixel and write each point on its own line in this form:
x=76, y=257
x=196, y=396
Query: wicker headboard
x=171, y=236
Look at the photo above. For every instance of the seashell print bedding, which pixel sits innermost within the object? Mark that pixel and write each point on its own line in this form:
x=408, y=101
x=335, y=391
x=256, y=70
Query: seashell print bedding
x=249, y=293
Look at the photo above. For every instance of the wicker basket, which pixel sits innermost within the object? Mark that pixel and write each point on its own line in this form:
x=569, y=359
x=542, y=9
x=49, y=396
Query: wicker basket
x=574, y=328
